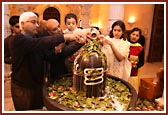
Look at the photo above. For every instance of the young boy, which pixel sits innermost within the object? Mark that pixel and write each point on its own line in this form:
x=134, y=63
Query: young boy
x=71, y=24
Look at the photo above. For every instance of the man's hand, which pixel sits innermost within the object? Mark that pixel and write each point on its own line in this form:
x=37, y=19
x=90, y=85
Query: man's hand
x=78, y=35
x=81, y=40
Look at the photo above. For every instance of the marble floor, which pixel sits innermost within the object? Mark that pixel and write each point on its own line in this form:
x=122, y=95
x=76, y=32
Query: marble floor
x=148, y=70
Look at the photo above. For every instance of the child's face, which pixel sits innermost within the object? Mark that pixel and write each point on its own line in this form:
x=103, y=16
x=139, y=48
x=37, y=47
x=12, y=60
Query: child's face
x=117, y=32
x=134, y=37
x=71, y=24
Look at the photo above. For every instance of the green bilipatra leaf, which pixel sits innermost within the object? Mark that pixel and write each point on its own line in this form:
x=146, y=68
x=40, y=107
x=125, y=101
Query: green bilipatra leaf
x=67, y=96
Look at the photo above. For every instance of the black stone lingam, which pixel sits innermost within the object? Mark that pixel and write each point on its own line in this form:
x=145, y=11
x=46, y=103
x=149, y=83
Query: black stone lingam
x=89, y=72
x=89, y=76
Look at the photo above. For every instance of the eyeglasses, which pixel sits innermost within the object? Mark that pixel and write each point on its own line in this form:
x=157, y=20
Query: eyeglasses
x=33, y=22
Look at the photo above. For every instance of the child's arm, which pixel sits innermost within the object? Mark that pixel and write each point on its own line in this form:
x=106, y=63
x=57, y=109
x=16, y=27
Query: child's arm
x=117, y=54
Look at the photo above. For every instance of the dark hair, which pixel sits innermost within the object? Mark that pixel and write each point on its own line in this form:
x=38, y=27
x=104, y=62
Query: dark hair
x=136, y=29
x=141, y=38
x=71, y=15
x=111, y=34
x=13, y=20
x=122, y=25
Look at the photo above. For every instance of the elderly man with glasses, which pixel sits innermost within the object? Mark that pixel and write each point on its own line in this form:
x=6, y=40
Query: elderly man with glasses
x=28, y=55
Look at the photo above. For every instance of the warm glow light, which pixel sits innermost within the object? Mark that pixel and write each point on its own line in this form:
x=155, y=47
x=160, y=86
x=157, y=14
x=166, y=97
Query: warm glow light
x=98, y=24
x=93, y=24
x=131, y=20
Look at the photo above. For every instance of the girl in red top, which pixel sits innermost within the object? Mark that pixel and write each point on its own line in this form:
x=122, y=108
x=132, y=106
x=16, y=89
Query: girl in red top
x=136, y=56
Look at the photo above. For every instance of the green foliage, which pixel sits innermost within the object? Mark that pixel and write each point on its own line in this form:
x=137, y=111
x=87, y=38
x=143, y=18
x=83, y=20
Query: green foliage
x=67, y=96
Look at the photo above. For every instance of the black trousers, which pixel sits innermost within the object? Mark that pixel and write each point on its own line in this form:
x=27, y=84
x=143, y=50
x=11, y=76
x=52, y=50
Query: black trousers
x=25, y=98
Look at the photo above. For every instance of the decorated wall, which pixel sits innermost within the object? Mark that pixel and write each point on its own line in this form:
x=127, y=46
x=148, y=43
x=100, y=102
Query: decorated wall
x=100, y=15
